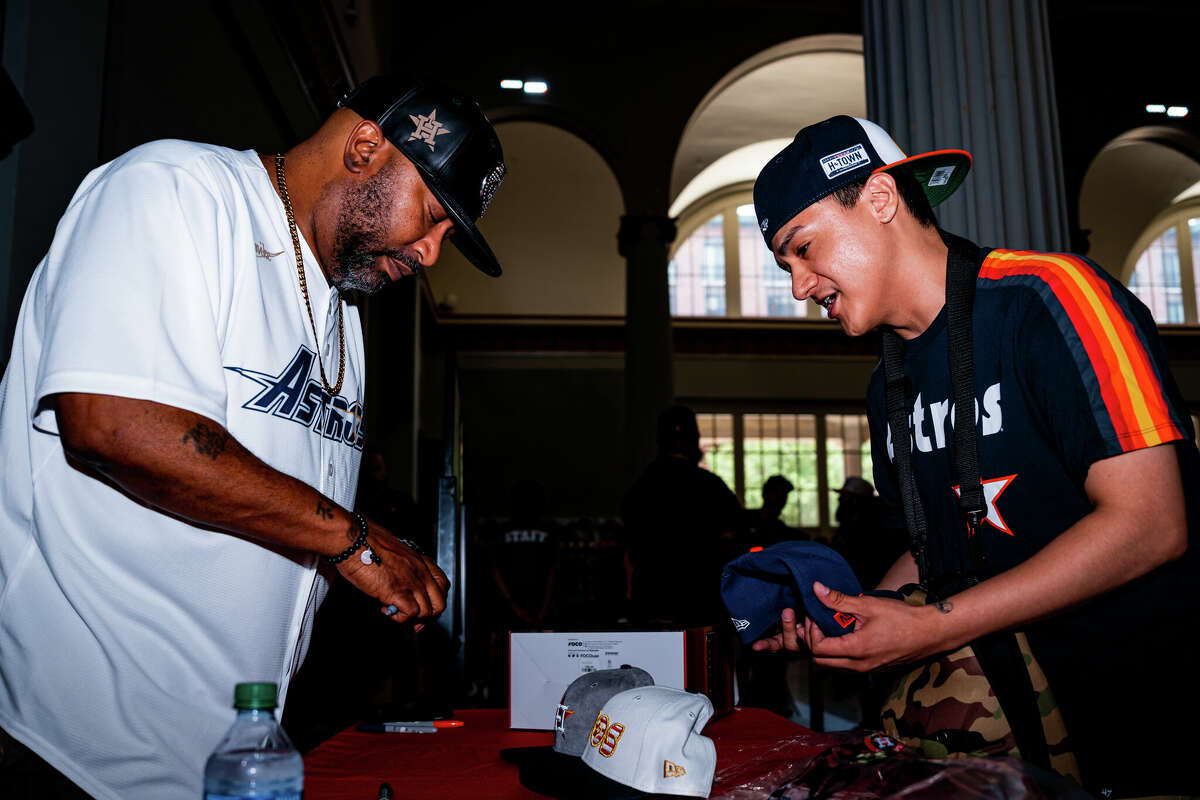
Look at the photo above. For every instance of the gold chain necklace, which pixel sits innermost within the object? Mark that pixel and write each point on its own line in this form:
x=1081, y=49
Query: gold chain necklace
x=291, y=218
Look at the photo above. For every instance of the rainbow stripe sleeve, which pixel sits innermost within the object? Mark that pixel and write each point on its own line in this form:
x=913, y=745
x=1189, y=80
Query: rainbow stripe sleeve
x=1128, y=398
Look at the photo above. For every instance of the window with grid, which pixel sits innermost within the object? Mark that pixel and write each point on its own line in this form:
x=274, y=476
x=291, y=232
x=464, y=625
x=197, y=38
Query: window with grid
x=1156, y=279
x=816, y=452
x=722, y=267
x=1163, y=276
x=696, y=273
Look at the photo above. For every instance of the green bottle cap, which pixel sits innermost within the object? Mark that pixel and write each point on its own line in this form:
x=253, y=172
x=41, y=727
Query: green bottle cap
x=255, y=695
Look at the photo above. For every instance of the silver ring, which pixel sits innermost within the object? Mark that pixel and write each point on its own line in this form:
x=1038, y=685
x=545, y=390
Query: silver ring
x=391, y=610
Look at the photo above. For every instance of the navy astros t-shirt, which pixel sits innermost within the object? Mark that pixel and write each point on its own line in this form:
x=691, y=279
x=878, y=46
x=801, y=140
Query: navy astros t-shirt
x=1068, y=370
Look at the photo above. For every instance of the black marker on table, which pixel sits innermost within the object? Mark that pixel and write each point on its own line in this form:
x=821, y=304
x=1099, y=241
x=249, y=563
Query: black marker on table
x=385, y=791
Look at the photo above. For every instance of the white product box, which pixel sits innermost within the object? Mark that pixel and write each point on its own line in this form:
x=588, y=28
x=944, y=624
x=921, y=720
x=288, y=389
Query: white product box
x=542, y=665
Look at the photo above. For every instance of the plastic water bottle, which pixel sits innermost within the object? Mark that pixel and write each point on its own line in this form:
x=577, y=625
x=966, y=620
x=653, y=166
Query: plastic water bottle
x=255, y=759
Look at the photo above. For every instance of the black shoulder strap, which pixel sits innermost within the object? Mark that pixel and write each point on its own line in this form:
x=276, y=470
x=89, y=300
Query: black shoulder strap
x=962, y=268
x=962, y=271
x=998, y=654
x=896, y=394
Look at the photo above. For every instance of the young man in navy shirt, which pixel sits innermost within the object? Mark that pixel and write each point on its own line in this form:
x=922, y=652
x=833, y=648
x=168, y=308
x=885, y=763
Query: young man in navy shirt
x=1086, y=452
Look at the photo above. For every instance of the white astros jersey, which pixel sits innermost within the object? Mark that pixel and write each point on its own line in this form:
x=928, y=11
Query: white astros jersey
x=171, y=278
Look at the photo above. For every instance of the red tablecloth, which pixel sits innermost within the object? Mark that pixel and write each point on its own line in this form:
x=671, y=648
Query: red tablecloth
x=465, y=762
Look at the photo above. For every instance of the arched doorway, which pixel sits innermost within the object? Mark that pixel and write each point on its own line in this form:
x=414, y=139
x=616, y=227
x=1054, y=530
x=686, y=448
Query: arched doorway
x=552, y=225
x=1140, y=202
x=720, y=266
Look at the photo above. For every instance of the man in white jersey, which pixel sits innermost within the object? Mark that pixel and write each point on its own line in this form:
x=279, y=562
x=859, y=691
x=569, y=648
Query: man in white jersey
x=180, y=423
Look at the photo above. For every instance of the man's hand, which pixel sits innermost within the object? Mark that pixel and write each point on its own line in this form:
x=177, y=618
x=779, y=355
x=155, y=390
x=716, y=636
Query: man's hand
x=404, y=578
x=886, y=632
x=790, y=639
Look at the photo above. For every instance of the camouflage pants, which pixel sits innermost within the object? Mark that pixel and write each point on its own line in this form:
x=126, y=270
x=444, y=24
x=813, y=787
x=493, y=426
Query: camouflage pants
x=946, y=707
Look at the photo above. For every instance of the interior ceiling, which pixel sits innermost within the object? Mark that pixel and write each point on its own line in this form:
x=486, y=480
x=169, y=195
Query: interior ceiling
x=772, y=101
x=1127, y=186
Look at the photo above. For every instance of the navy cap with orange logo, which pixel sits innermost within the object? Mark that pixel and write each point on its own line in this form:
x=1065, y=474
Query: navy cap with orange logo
x=452, y=144
x=758, y=586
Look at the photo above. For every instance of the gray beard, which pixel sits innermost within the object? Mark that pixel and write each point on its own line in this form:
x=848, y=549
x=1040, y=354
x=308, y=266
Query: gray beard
x=358, y=241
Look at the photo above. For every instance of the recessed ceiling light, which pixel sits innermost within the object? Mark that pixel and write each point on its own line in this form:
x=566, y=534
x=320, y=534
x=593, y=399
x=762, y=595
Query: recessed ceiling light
x=511, y=83
x=535, y=87
x=1173, y=111
x=1156, y=108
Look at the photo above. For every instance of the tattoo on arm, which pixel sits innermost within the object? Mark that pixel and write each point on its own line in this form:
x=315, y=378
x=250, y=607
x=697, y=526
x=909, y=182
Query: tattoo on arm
x=324, y=511
x=208, y=442
x=944, y=606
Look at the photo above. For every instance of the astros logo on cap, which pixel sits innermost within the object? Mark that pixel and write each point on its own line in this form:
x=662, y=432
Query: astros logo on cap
x=428, y=128
x=560, y=718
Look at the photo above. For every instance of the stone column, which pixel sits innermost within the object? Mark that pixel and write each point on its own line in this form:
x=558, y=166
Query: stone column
x=644, y=241
x=976, y=75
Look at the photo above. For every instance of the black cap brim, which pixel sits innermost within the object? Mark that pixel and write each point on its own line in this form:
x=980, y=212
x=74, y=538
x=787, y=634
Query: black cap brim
x=466, y=238
x=564, y=777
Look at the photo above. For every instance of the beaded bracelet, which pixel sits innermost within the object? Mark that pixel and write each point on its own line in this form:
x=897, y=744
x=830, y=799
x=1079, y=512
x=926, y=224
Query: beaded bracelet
x=368, y=556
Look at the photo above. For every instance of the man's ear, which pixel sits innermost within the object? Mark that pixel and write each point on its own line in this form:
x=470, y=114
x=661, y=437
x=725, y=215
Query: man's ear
x=364, y=145
x=883, y=196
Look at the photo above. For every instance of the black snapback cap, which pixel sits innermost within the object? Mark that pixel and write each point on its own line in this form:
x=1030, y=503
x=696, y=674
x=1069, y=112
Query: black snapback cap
x=828, y=155
x=453, y=145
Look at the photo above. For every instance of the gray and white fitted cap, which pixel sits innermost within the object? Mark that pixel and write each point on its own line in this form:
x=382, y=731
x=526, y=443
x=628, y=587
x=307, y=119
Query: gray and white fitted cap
x=557, y=770
x=584, y=698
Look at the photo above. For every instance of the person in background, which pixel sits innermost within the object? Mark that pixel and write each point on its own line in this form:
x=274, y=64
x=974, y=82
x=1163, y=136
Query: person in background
x=763, y=526
x=869, y=547
x=525, y=559
x=762, y=678
x=680, y=520
x=524, y=556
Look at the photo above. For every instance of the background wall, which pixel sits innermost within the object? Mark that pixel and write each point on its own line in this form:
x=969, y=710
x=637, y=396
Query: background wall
x=554, y=228
x=556, y=420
